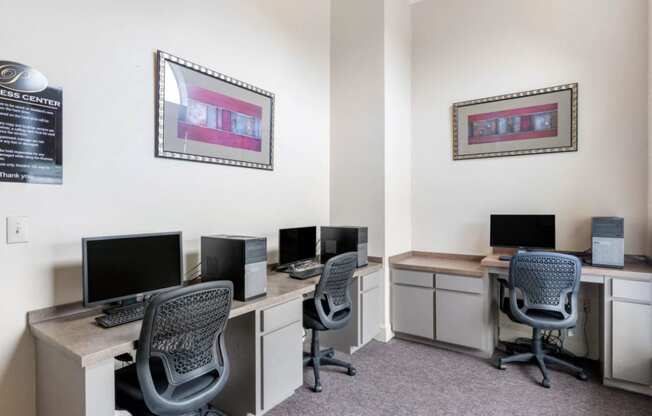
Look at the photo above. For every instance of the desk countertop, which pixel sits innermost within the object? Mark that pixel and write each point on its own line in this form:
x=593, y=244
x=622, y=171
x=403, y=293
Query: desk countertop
x=456, y=264
x=477, y=266
x=73, y=330
x=633, y=269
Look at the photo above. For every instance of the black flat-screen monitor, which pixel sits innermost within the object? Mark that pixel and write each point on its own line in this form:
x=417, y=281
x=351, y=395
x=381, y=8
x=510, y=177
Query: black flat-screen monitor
x=297, y=244
x=527, y=231
x=123, y=267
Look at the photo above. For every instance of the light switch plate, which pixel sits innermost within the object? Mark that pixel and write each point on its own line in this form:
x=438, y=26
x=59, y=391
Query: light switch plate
x=17, y=230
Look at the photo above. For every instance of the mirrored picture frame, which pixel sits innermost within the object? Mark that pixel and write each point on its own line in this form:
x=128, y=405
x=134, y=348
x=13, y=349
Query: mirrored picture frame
x=523, y=123
x=205, y=116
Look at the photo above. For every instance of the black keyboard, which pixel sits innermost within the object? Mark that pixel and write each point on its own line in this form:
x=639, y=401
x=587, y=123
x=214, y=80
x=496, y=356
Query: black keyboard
x=305, y=270
x=122, y=316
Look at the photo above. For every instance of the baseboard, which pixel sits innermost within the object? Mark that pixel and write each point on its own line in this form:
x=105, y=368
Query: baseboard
x=385, y=334
x=624, y=385
x=484, y=354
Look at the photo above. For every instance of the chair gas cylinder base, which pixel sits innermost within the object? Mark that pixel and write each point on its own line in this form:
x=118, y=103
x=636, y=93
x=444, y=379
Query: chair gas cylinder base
x=549, y=286
x=330, y=309
x=539, y=356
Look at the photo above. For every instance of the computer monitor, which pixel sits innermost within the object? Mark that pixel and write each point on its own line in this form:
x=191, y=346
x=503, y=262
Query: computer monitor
x=297, y=244
x=123, y=267
x=526, y=231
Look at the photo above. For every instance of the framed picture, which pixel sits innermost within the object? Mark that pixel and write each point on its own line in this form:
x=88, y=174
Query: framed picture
x=205, y=116
x=522, y=123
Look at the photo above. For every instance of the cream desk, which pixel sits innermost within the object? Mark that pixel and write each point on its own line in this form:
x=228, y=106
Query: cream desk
x=443, y=300
x=451, y=301
x=75, y=357
x=625, y=320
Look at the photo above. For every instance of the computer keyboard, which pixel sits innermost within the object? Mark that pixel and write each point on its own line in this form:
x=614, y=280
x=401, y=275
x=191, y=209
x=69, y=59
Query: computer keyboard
x=305, y=270
x=122, y=316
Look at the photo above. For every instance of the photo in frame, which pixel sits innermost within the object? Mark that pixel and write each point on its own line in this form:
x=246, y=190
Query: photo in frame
x=206, y=116
x=523, y=123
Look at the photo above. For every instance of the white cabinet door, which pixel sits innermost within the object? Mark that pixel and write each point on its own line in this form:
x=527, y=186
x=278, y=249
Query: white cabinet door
x=371, y=314
x=632, y=342
x=282, y=362
x=460, y=318
x=414, y=310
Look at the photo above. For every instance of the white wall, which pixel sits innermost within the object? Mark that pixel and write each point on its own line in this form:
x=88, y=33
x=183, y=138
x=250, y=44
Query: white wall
x=649, y=129
x=465, y=49
x=398, y=140
x=357, y=118
x=398, y=126
x=101, y=54
x=371, y=126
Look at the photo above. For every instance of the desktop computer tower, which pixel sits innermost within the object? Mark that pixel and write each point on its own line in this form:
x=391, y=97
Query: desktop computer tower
x=240, y=259
x=340, y=240
x=608, y=241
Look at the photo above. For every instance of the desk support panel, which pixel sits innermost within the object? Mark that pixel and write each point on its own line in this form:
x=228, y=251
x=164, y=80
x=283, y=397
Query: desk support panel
x=63, y=387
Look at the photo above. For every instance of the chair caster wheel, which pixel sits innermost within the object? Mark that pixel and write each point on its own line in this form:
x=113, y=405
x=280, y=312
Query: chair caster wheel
x=330, y=354
x=317, y=388
x=545, y=383
x=352, y=372
x=500, y=365
x=582, y=376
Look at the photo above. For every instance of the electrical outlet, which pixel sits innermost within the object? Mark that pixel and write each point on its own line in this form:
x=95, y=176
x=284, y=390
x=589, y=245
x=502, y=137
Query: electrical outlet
x=17, y=230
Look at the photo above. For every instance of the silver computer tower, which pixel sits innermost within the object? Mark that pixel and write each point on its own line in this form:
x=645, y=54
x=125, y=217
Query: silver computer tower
x=608, y=241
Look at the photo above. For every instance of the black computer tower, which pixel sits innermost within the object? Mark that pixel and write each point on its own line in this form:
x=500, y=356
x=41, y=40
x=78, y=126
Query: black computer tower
x=340, y=240
x=240, y=259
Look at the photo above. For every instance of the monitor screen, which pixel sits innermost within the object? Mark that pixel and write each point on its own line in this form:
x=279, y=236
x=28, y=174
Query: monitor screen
x=528, y=231
x=118, y=268
x=297, y=244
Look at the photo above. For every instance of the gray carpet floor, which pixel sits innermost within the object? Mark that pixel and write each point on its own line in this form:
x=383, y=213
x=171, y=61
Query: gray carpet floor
x=405, y=378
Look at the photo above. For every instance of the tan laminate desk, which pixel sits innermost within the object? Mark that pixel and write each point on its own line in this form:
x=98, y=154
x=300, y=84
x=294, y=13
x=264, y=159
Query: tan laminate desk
x=75, y=357
x=442, y=300
x=634, y=269
x=455, y=264
x=625, y=320
x=625, y=303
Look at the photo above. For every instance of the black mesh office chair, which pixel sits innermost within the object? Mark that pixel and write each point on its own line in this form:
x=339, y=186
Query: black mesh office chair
x=181, y=361
x=330, y=309
x=549, y=285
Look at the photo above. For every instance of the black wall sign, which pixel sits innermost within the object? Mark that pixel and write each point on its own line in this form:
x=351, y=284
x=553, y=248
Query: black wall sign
x=30, y=126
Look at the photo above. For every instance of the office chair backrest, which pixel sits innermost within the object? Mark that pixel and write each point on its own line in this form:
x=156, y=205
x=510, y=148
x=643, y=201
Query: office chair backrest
x=333, y=293
x=183, y=331
x=548, y=282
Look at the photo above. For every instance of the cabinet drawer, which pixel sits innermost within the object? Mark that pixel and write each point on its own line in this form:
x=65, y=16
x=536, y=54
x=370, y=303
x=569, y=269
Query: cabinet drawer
x=632, y=290
x=414, y=310
x=282, y=364
x=460, y=318
x=459, y=283
x=412, y=278
x=281, y=315
x=370, y=281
